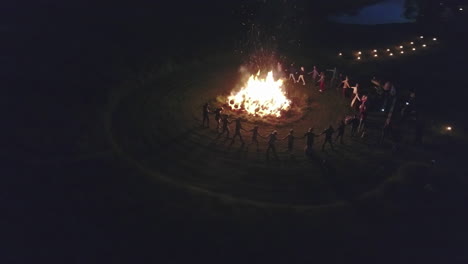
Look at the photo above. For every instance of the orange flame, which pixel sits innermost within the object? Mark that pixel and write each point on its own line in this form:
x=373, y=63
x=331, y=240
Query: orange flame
x=261, y=97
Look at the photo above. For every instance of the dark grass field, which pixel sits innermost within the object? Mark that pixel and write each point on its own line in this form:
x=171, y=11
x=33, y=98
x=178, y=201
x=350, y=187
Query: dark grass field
x=105, y=162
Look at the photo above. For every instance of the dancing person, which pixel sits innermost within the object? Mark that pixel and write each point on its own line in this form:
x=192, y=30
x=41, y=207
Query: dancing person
x=237, y=131
x=355, y=94
x=321, y=80
x=328, y=137
x=363, y=115
x=301, y=76
x=345, y=84
x=341, y=130
x=314, y=73
x=206, y=118
x=271, y=144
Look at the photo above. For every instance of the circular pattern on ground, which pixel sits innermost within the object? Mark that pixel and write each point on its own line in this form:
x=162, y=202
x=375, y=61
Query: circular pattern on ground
x=159, y=127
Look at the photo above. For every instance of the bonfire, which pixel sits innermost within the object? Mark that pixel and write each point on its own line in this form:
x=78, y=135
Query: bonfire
x=261, y=97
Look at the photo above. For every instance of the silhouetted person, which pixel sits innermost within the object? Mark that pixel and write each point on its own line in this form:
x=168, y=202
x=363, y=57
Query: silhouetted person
x=292, y=72
x=328, y=137
x=310, y=136
x=217, y=113
x=290, y=138
x=386, y=131
x=237, y=131
x=271, y=144
x=225, y=126
x=255, y=136
x=341, y=130
x=206, y=111
x=354, y=125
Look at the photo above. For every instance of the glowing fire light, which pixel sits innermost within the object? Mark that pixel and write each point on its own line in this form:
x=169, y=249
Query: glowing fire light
x=261, y=97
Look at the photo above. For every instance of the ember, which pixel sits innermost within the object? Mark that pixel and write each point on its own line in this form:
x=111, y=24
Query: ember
x=261, y=97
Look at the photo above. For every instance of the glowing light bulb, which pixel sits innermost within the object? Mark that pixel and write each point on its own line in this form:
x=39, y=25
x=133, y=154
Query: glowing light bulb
x=401, y=47
x=375, y=50
x=449, y=128
x=424, y=45
x=461, y=9
x=375, y=55
x=402, y=52
x=359, y=53
x=421, y=37
x=340, y=54
x=391, y=54
x=412, y=43
x=414, y=48
x=388, y=49
x=434, y=39
x=358, y=58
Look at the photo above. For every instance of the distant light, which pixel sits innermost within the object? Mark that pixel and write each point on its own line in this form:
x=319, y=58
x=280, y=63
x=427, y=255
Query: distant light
x=424, y=45
x=402, y=52
x=434, y=39
x=359, y=52
x=412, y=43
x=401, y=47
x=461, y=9
x=421, y=37
x=340, y=54
x=375, y=50
x=358, y=58
x=388, y=49
x=407, y=103
x=449, y=128
x=383, y=109
x=375, y=55
x=414, y=48
x=391, y=54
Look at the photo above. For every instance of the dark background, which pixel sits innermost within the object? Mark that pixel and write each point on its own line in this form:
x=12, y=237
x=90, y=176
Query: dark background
x=60, y=61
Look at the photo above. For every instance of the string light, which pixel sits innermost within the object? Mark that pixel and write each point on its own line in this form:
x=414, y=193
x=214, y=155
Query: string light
x=412, y=43
x=375, y=50
x=340, y=54
x=414, y=48
x=388, y=50
x=461, y=9
x=375, y=55
x=449, y=128
x=401, y=47
x=359, y=52
x=358, y=58
x=424, y=45
x=421, y=37
x=434, y=39
x=402, y=52
x=391, y=54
